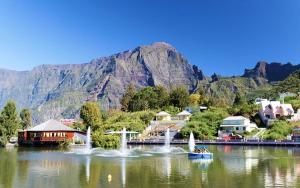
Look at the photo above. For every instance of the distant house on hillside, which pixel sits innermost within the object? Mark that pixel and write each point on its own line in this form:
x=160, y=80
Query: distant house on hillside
x=238, y=124
x=271, y=110
x=164, y=121
x=196, y=109
x=184, y=115
x=49, y=133
x=259, y=100
x=163, y=116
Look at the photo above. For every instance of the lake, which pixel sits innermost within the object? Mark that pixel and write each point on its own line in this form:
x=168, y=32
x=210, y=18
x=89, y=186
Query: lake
x=232, y=166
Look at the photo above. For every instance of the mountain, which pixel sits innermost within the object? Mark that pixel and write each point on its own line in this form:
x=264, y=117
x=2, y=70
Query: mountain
x=290, y=84
x=271, y=71
x=56, y=91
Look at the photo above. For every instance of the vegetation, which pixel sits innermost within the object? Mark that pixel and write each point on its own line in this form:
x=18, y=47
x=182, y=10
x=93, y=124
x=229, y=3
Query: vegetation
x=90, y=114
x=290, y=84
x=154, y=98
x=278, y=131
x=179, y=97
x=25, y=116
x=9, y=122
x=204, y=125
x=105, y=141
x=134, y=121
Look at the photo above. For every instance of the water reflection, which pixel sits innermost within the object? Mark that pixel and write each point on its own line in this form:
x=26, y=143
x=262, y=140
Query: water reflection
x=123, y=170
x=231, y=167
x=87, y=167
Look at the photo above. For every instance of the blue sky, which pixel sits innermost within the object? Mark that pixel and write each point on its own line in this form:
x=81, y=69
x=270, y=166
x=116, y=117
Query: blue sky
x=223, y=36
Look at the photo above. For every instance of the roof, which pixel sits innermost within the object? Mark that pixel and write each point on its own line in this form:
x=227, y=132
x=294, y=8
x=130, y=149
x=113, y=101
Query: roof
x=162, y=113
x=244, y=125
x=51, y=125
x=184, y=113
x=287, y=106
x=235, y=118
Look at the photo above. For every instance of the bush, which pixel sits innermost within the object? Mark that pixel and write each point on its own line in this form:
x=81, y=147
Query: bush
x=204, y=125
x=136, y=121
x=278, y=131
x=65, y=144
x=105, y=141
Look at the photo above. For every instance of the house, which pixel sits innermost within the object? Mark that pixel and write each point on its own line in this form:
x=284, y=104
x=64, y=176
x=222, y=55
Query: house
x=163, y=116
x=184, y=115
x=238, y=124
x=259, y=100
x=164, y=121
x=195, y=109
x=50, y=132
x=270, y=110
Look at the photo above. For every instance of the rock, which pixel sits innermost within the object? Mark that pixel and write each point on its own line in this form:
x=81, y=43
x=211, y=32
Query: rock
x=58, y=91
x=271, y=71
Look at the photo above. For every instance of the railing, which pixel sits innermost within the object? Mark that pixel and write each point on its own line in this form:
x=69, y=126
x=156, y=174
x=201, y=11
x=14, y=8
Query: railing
x=49, y=139
x=240, y=142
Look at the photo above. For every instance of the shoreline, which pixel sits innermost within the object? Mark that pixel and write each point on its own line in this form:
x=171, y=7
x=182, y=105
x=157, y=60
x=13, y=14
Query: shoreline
x=237, y=143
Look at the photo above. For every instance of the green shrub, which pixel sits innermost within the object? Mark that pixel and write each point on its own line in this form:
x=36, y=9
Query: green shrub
x=278, y=131
x=105, y=141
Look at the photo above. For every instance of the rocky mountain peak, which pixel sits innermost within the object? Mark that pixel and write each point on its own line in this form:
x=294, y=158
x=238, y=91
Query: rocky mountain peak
x=271, y=71
x=58, y=91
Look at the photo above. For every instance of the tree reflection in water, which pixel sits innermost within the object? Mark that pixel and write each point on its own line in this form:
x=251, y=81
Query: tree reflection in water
x=232, y=167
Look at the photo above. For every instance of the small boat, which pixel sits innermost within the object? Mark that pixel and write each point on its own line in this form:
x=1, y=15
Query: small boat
x=200, y=152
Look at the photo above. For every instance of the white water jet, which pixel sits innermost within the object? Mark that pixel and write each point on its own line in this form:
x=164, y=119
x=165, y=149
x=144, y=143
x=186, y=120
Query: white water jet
x=123, y=141
x=167, y=138
x=192, y=142
x=88, y=140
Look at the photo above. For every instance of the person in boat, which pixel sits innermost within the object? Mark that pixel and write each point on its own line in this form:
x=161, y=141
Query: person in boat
x=200, y=150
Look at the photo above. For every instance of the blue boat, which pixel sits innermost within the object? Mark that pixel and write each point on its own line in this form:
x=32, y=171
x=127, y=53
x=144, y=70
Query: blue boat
x=200, y=152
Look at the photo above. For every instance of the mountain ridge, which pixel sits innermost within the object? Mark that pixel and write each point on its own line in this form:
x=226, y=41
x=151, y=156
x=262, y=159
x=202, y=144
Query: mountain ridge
x=58, y=91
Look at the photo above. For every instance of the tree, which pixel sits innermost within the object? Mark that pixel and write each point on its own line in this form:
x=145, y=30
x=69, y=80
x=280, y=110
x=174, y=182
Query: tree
x=25, y=116
x=162, y=96
x=194, y=99
x=127, y=97
x=179, y=97
x=239, y=99
x=91, y=115
x=9, y=121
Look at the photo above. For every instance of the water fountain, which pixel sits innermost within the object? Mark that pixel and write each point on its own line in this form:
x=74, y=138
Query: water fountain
x=167, y=139
x=123, y=148
x=88, y=140
x=192, y=142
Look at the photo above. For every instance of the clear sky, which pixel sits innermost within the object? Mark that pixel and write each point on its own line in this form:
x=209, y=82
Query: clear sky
x=223, y=36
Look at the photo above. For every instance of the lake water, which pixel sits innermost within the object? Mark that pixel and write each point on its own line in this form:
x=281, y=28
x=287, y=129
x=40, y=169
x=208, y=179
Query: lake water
x=232, y=166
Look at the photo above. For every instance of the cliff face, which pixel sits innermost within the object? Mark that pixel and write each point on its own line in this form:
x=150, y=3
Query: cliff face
x=56, y=91
x=271, y=71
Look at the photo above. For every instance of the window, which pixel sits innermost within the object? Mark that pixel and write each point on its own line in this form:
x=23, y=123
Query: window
x=244, y=128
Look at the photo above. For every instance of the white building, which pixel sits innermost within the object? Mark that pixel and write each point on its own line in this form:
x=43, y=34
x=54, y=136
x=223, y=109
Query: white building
x=184, y=115
x=163, y=116
x=239, y=124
